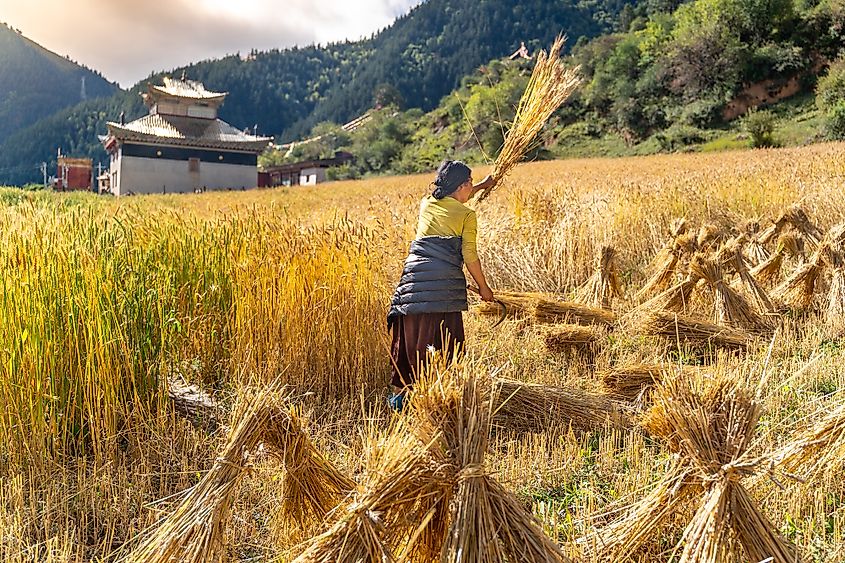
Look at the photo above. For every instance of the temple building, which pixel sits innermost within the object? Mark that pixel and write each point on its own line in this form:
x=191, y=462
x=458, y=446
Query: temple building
x=181, y=146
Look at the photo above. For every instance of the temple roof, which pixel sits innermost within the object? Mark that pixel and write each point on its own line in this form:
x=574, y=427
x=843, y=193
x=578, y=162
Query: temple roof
x=186, y=89
x=187, y=131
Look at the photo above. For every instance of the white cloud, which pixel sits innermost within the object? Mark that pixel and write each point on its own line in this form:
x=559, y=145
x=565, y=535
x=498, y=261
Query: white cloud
x=127, y=40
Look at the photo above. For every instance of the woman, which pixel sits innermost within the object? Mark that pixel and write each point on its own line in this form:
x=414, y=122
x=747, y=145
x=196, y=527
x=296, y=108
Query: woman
x=426, y=308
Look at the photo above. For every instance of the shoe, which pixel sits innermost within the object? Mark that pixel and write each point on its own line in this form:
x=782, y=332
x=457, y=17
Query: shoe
x=396, y=402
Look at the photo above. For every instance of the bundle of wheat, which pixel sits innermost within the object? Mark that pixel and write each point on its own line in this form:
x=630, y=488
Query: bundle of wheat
x=386, y=509
x=731, y=257
x=530, y=406
x=603, y=286
x=708, y=236
x=681, y=328
x=546, y=307
x=633, y=381
x=452, y=412
x=768, y=271
x=667, y=263
x=708, y=422
x=194, y=531
x=731, y=308
x=677, y=298
x=312, y=485
x=769, y=234
x=755, y=252
x=550, y=85
x=799, y=290
x=801, y=222
x=552, y=310
x=819, y=447
x=566, y=338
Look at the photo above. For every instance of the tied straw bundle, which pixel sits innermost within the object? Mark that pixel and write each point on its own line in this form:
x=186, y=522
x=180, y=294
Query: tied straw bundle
x=666, y=263
x=678, y=327
x=451, y=410
x=708, y=423
x=799, y=289
x=379, y=515
x=768, y=271
x=569, y=338
x=194, y=531
x=819, y=447
x=550, y=85
x=632, y=381
x=534, y=407
x=604, y=285
x=731, y=308
x=546, y=307
x=733, y=260
x=756, y=253
x=312, y=485
x=677, y=298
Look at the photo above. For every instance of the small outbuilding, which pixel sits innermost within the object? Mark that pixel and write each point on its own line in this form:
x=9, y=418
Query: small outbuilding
x=73, y=174
x=181, y=146
x=306, y=172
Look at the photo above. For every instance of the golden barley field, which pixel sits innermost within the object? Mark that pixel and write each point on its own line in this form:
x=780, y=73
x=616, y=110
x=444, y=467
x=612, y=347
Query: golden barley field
x=107, y=304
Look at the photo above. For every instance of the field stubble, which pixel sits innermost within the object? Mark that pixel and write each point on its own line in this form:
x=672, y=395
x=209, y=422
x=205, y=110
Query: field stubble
x=103, y=300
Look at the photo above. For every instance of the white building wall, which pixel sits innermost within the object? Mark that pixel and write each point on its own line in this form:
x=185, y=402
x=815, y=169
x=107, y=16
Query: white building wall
x=312, y=176
x=138, y=175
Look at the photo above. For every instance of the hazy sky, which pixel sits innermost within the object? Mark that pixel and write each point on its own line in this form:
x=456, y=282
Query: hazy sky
x=126, y=40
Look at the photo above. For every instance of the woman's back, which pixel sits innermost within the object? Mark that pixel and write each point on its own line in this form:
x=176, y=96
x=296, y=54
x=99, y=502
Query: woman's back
x=447, y=217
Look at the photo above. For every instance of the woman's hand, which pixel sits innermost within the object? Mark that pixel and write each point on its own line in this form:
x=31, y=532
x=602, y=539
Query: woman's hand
x=486, y=293
x=487, y=182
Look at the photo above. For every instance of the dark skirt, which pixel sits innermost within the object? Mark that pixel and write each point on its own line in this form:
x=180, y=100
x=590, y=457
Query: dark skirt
x=413, y=334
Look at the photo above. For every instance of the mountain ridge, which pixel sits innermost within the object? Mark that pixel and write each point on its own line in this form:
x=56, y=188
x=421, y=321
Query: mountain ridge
x=423, y=56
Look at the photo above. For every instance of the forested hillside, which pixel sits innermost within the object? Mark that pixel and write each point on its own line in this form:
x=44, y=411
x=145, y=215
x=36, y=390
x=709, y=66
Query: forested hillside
x=419, y=59
x=35, y=82
x=679, y=76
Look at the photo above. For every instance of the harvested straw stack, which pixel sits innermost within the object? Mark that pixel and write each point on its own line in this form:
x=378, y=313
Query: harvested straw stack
x=533, y=407
x=687, y=329
x=768, y=271
x=632, y=381
x=677, y=298
x=731, y=308
x=550, y=85
x=708, y=236
x=819, y=447
x=569, y=338
x=709, y=424
x=755, y=252
x=666, y=263
x=194, y=531
x=555, y=311
x=801, y=222
x=312, y=485
x=384, y=511
x=604, y=285
x=798, y=291
x=452, y=411
x=547, y=308
x=731, y=257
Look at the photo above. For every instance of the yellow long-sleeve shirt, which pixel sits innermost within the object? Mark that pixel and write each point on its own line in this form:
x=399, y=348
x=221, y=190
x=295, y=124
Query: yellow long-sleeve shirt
x=448, y=217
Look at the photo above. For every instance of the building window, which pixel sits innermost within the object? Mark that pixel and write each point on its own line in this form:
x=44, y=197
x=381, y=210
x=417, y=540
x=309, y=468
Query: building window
x=193, y=165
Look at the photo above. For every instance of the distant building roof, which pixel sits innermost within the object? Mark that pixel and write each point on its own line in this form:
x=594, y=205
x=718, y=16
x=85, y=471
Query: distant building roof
x=340, y=158
x=186, y=89
x=187, y=131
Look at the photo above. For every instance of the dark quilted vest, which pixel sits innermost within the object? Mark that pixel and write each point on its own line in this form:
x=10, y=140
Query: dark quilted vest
x=432, y=281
